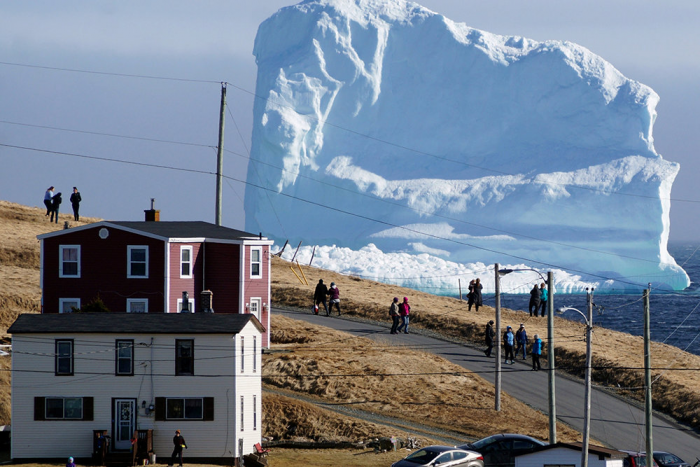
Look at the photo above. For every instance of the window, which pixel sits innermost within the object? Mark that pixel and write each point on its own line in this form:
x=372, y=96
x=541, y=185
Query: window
x=255, y=413
x=137, y=305
x=124, y=359
x=68, y=305
x=69, y=261
x=184, y=408
x=63, y=408
x=137, y=262
x=186, y=262
x=184, y=357
x=242, y=412
x=190, y=307
x=256, y=262
x=255, y=354
x=459, y=455
x=255, y=307
x=64, y=357
x=447, y=457
x=242, y=354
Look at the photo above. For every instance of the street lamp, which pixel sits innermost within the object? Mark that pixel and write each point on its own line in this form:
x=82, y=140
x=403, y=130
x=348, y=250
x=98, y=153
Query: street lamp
x=587, y=396
x=550, y=345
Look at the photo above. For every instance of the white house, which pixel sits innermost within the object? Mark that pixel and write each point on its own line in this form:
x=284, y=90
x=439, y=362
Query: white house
x=569, y=455
x=74, y=373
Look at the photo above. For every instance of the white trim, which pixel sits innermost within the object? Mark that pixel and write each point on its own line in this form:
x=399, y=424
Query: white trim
x=61, y=301
x=129, y=248
x=269, y=300
x=259, y=262
x=129, y=301
x=166, y=279
x=189, y=248
x=189, y=300
x=259, y=301
x=60, y=261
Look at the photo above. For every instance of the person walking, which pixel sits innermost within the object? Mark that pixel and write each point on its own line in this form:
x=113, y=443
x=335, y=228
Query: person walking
x=55, y=204
x=521, y=340
x=534, y=299
x=544, y=296
x=490, y=334
x=320, y=296
x=75, y=200
x=47, y=199
x=536, y=352
x=335, y=298
x=477, y=301
x=179, y=443
x=508, y=341
x=394, y=313
x=404, y=312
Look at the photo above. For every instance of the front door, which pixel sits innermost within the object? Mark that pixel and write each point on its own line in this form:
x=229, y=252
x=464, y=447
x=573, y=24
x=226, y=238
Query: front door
x=255, y=307
x=124, y=423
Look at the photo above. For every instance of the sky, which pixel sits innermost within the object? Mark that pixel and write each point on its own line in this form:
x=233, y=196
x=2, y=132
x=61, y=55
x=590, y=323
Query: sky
x=138, y=117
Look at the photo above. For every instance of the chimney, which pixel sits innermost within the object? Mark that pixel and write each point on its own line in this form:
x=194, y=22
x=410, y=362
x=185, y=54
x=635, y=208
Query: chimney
x=152, y=215
x=206, y=301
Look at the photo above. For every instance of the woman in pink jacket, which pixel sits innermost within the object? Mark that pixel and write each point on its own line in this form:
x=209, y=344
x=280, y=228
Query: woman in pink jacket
x=404, y=311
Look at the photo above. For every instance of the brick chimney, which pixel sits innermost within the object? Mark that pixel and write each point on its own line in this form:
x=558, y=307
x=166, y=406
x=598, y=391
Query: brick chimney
x=152, y=215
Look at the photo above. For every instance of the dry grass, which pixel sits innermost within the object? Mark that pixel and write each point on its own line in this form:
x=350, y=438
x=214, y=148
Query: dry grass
x=398, y=382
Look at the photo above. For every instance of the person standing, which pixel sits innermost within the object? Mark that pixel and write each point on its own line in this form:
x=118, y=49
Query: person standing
x=47, y=200
x=320, y=296
x=490, y=334
x=179, y=443
x=404, y=311
x=536, y=352
x=55, y=204
x=75, y=200
x=544, y=296
x=521, y=340
x=470, y=295
x=508, y=341
x=477, y=294
x=335, y=298
x=534, y=299
x=394, y=313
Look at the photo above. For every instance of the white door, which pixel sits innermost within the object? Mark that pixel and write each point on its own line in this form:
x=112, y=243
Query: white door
x=255, y=307
x=124, y=423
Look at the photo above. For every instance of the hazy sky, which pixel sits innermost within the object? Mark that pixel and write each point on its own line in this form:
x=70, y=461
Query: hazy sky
x=653, y=42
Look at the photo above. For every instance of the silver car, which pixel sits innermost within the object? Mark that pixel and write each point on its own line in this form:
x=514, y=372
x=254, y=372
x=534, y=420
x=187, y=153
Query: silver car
x=444, y=456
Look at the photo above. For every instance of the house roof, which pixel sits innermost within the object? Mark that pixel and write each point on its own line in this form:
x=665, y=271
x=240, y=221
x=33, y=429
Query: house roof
x=132, y=323
x=599, y=451
x=171, y=230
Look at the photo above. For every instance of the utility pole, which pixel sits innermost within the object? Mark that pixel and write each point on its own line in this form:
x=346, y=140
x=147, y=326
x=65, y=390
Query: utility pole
x=550, y=361
x=498, y=339
x=220, y=155
x=587, y=397
x=647, y=374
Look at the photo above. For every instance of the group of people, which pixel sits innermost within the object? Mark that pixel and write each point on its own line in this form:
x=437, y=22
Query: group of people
x=399, y=313
x=538, y=299
x=53, y=202
x=474, y=295
x=513, y=343
x=320, y=297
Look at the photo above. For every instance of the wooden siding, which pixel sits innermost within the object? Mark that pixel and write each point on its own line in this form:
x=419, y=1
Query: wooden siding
x=103, y=270
x=222, y=264
x=192, y=285
x=258, y=287
x=217, y=367
x=563, y=456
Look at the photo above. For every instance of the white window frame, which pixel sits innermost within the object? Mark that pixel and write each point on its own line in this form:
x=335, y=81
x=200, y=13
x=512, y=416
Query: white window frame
x=179, y=305
x=259, y=262
x=129, y=248
x=190, y=262
x=242, y=413
x=255, y=302
x=255, y=354
x=242, y=354
x=130, y=301
x=62, y=301
x=255, y=412
x=60, y=261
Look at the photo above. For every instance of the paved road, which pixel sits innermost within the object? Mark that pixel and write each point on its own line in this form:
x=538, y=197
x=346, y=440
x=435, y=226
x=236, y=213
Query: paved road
x=613, y=421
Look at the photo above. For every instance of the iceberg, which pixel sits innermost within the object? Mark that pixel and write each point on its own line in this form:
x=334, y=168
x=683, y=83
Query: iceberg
x=382, y=124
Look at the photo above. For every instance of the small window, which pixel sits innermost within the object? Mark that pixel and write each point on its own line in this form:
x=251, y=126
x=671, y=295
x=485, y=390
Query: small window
x=255, y=354
x=64, y=408
x=185, y=262
x=185, y=409
x=242, y=354
x=190, y=307
x=447, y=457
x=184, y=357
x=68, y=305
x=64, y=357
x=457, y=455
x=137, y=262
x=242, y=412
x=255, y=413
x=124, y=359
x=254, y=307
x=69, y=261
x=256, y=262
x=137, y=305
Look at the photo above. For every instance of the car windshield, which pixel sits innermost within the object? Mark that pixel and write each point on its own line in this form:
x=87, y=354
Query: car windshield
x=422, y=456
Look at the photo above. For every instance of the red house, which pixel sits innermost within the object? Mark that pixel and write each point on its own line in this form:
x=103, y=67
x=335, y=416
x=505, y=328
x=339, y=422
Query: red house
x=144, y=267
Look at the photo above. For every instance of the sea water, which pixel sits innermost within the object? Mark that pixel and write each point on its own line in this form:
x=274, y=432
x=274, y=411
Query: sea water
x=674, y=316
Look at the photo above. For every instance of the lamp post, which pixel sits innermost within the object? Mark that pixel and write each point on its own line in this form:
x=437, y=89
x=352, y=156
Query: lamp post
x=587, y=396
x=551, y=393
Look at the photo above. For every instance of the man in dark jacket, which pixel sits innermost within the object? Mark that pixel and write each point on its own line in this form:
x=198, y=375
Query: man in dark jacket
x=490, y=334
x=320, y=296
x=55, y=203
x=534, y=300
x=75, y=200
x=180, y=444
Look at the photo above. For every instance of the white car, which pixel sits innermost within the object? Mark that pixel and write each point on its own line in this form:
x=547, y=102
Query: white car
x=444, y=456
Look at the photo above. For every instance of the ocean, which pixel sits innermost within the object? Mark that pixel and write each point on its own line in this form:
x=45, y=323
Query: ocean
x=674, y=317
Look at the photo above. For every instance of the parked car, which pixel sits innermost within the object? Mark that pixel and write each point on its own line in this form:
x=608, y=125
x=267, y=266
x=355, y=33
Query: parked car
x=636, y=459
x=500, y=450
x=666, y=459
x=444, y=456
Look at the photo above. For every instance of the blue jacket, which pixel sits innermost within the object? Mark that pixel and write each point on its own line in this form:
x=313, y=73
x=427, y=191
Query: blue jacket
x=522, y=336
x=509, y=338
x=537, y=347
x=544, y=294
